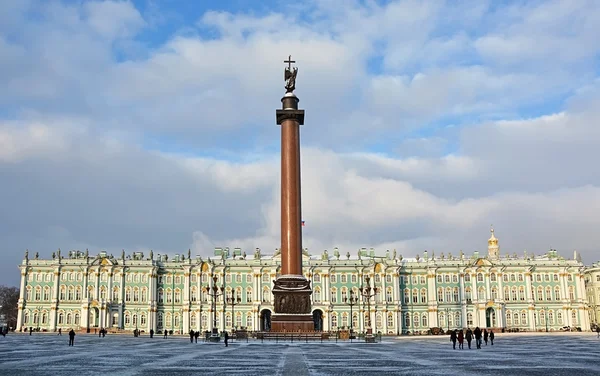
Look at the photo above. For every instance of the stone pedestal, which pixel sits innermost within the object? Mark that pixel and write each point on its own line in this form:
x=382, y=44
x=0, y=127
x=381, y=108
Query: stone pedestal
x=292, y=305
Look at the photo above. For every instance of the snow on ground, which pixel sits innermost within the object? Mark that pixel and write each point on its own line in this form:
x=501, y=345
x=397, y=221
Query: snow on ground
x=48, y=354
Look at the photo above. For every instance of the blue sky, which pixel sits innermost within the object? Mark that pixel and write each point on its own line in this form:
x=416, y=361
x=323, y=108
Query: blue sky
x=144, y=125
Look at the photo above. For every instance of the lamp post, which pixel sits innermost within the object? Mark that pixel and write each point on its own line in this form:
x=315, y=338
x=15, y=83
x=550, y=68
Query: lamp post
x=447, y=310
x=215, y=292
x=352, y=301
x=367, y=293
x=233, y=300
x=546, y=316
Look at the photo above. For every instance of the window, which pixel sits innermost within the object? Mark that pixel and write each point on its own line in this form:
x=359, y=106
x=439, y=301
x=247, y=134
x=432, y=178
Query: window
x=194, y=294
x=424, y=320
x=317, y=295
x=144, y=295
x=102, y=292
x=344, y=279
x=574, y=318
x=78, y=293
x=228, y=322
x=127, y=294
x=423, y=295
x=494, y=293
x=415, y=296
x=467, y=277
x=63, y=293
x=390, y=320
x=513, y=278
x=61, y=318
x=71, y=293
x=513, y=294
x=571, y=293
x=557, y=293
x=516, y=319
x=115, y=295
x=555, y=277
x=159, y=320
x=455, y=294
x=570, y=278
x=38, y=293
x=520, y=277
x=143, y=319
x=559, y=317
x=440, y=295
x=249, y=322
x=547, y=277
x=353, y=278
x=344, y=295
x=44, y=318
x=479, y=277
x=333, y=278
x=439, y=278
x=506, y=294
x=334, y=320
x=249, y=295
x=204, y=278
x=355, y=320
x=194, y=278
x=505, y=277
x=378, y=320
x=177, y=296
x=265, y=277
x=238, y=278
x=406, y=296
x=448, y=294
x=416, y=320
x=136, y=294
x=46, y=293
x=523, y=318
x=388, y=278
x=169, y=296
x=317, y=277
x=266, y=295
x=203, y=321
x=548, y=293
x=228, y=280
x=249, y=278
x=493, y=277
x=333, y=295
x=377, y=278
x=423, y=280
x=447, y=278
x=454, y=278
x=521, y=293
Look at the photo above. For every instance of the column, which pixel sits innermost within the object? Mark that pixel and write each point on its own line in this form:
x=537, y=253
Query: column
x=528, y=287
x=463, y=302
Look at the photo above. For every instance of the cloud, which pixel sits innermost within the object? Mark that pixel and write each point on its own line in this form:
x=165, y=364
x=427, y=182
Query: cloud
x=422, y=127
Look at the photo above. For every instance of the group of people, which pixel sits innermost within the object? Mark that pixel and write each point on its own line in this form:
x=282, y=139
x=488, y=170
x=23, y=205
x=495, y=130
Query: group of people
x=460, y=336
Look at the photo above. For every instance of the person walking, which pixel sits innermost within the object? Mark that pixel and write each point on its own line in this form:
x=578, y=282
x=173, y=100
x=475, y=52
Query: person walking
x=491, y=337
x=192, y=336
x=485, y=336
x=477, y=333
x=469, y=337
x=166, y=333
x=461, y=339
x=453, y=339
x=196, y=335
x=151, y=333
x=226, y=335
x=60, y=331
x=71, y=337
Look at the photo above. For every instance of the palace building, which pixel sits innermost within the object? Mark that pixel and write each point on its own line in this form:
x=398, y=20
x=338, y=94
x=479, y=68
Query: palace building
x=592, y=286
x=528, y=292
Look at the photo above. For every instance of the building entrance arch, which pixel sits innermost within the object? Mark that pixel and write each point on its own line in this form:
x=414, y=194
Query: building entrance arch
x=490, y=317
x=318, y=320
x=265, y=320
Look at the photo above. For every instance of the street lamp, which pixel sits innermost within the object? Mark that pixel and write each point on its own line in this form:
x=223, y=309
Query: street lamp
x=233, y=300
x=215, y=292
x=367, y=293
x=546, y=316
x=352, y=301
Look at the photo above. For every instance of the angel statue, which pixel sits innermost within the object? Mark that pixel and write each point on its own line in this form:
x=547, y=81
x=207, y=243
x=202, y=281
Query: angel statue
x=290, y=75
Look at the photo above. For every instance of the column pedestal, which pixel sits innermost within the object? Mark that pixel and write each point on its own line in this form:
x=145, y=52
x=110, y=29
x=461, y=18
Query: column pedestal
x=292, y=305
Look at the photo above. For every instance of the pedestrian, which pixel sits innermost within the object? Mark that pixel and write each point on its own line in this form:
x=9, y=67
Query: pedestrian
x=196, y=335
x=477, y=333
x=151, y=333
x=453, y=339
x=598, y=330
x=192, y=336
x=226, y=335
x=60, y=331
x=469, y=337
x=71, y=337
x=492, y=337
x=100, y=333
x=485, y=336
x=461, y=339
x=166, y=333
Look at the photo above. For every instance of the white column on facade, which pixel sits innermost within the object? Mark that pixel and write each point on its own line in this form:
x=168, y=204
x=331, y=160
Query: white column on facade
x=488, y=289
x=463, y=302
x=579, y=287
x=97, y=281
x=528, y=287
x=21, y=302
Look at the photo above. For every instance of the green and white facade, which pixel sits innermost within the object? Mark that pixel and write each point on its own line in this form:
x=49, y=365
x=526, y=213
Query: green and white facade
x=147, y=292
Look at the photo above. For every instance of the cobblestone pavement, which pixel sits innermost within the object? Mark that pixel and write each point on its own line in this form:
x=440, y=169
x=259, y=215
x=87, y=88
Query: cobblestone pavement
x=48, y=354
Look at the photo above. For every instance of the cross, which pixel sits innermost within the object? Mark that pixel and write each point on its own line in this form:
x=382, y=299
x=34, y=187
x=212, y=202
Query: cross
x=289, y=61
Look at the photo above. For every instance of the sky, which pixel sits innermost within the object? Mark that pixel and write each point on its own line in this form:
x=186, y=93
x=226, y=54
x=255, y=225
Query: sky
x=150, y=124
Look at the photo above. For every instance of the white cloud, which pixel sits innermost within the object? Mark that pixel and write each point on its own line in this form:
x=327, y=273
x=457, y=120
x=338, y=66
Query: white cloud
x=176, y=148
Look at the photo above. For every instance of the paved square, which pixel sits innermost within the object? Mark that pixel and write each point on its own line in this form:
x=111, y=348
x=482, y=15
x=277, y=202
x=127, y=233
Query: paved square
x=48, y=354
